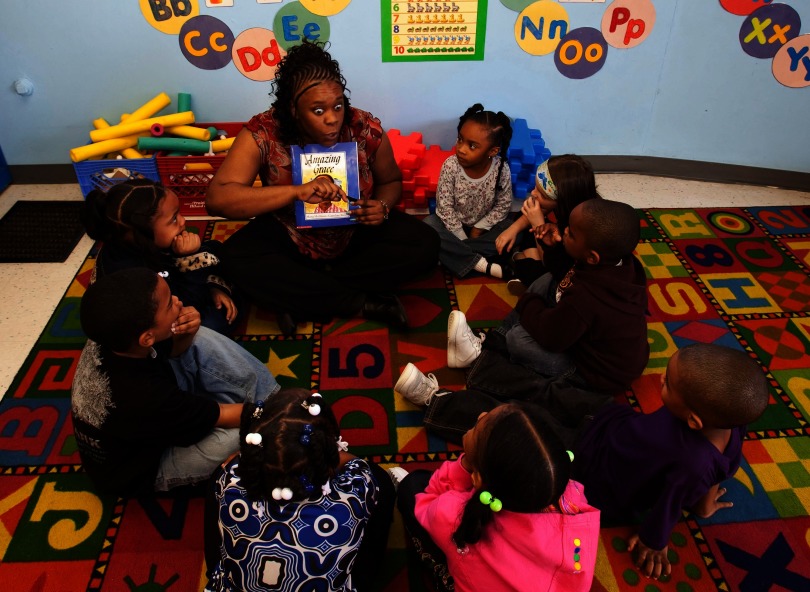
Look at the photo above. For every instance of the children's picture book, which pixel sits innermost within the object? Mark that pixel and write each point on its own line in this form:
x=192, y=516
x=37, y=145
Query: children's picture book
x=339, y=162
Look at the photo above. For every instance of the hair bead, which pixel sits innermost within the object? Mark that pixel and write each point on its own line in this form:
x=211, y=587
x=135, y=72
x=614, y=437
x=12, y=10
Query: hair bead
x=306, y=436
x=254, y=438
x=257, y=412
x=313, y=408
x=488, y=499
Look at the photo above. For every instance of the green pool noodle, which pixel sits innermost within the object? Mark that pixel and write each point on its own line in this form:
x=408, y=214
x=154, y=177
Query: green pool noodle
x=183, y=102
x=171, y=144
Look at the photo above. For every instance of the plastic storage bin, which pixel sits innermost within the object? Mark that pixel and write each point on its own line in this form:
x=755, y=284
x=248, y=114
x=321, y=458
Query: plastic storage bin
x=189, y=176
x=103, y=174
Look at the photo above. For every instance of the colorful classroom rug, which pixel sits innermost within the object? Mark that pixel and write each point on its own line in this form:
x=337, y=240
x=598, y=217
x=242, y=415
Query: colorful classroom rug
x=737, y=277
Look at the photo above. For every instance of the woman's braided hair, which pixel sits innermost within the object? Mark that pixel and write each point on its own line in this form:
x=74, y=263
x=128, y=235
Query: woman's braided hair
x=303, y=65
x=282, y=459
x=500, y=131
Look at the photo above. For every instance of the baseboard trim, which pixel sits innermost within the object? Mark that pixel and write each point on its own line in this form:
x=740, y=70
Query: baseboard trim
x=701, y=171
x=643, y=165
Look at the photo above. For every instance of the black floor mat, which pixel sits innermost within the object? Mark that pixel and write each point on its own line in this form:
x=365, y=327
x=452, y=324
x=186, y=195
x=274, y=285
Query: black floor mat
x=40, y=231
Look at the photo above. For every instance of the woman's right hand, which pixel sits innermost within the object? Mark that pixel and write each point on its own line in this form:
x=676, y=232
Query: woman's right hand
x=321, y=188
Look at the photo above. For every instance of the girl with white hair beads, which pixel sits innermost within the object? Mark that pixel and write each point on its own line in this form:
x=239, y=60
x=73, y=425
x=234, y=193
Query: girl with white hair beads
x=295, y=507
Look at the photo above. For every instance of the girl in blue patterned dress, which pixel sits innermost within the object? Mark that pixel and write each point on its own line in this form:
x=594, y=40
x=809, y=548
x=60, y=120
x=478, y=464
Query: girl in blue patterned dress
x=296, y=510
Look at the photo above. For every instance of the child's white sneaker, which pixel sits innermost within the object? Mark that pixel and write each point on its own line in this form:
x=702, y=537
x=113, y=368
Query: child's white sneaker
x=397, y=474
x=463, y=346
x=415, y=386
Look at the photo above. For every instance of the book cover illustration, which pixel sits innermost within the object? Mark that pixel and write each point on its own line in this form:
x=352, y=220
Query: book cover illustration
x=339, y=162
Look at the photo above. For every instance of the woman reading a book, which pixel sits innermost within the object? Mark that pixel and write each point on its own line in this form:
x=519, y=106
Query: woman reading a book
x=289, y=269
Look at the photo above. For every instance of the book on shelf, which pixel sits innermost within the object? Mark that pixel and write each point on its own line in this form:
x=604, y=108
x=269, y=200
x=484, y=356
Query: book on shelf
x=339, y=162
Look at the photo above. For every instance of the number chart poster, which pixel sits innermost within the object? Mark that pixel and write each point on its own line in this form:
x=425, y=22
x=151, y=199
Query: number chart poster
x=433, y=31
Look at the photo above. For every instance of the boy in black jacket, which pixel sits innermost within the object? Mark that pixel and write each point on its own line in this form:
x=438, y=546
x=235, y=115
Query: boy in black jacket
x=590, y=330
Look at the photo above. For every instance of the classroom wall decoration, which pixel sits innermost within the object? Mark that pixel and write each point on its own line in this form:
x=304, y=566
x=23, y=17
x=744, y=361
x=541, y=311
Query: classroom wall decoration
x=543, y=28
x=435, y=31
x=209, y=44
x=772, y=31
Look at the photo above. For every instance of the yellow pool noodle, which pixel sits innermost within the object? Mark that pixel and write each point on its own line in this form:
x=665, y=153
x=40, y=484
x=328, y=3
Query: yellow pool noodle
x=188, y=131
x=101, y=123
x=222, y=145
x=148, y=109
x=135, y=127
x=198, y=166
x=101, y=148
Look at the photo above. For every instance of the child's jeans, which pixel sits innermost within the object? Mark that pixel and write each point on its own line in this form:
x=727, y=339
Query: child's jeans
x=219, y=369
x=522, y=347
x=460, y=256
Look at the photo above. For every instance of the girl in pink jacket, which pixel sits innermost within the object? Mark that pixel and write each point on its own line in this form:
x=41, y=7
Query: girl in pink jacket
x=505, y=515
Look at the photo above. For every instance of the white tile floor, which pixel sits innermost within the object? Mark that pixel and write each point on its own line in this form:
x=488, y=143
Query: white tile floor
x=30, y=292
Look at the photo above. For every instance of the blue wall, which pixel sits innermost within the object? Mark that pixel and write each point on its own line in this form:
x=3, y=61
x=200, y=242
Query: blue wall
x=688, y=91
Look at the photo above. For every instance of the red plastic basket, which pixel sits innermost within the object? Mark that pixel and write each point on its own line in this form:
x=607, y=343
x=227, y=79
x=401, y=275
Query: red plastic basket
x=189, y=176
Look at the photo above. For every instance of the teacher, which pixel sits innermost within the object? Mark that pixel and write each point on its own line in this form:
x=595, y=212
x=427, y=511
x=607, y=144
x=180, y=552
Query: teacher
x=317, y=273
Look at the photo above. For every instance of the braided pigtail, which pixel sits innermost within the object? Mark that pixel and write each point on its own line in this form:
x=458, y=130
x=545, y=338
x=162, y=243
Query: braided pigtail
x=503, y=135
x=522, y=467
x=289, y=446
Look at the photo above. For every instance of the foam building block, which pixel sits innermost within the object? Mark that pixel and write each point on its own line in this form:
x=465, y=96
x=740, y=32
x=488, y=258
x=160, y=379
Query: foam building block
x=426, y=176
x=527, y=151
x=408, y=151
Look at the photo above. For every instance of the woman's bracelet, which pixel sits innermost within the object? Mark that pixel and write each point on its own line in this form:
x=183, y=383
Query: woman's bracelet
x=385, y=208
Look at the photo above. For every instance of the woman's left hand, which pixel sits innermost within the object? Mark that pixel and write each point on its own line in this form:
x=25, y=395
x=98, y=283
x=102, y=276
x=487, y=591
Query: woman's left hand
x=371, y=212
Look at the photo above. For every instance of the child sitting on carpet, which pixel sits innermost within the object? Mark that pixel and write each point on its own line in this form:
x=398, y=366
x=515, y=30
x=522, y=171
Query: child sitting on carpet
x=676, y=457
x=505, y=515
x=633, y=463
x=474, y=194
x=140, y=224
x=561, y=184
x=591, y=327
x=156, y=398
x=296, y=510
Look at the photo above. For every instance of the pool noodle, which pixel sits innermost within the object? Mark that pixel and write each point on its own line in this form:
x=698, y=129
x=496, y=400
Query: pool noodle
x=130, y=153
x=183, y=102
x=101, y=148
x=129, y=128
x=180, y=144
x=222, y=145
x=149, y=108
x=184, y=144
x=189, y=131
